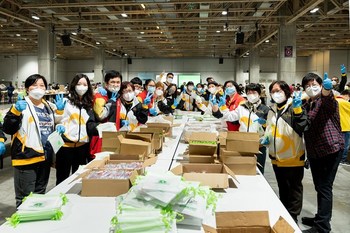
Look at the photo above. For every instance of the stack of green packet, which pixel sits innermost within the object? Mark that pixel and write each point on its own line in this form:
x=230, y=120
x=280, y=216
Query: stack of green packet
x=37, y=207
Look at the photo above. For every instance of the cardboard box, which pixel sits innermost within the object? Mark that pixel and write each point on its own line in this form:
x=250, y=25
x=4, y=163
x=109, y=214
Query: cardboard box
x=133, y=146
x=110, y=141
x=212, y=175
x=200, y=159
x=240, y=165
x=166, y=127
x=224, y=152
x=201, y=143
x=106, y=187
x=156, y=136
x=247, y=222
x=242, y=142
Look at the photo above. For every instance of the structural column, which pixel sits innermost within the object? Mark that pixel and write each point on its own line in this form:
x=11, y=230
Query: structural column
x=99, y=55
x=47, y=55
x=287, y=53
x=254, y=66
x=238, y=75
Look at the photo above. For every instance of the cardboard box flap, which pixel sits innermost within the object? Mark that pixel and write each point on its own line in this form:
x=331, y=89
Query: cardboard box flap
x=242, y=219
x=147, y=137
x=177, y=170
x=213, y=180
x=203, y=138
x=152, y=130
x=149, y=162
x=230, y=172
x=242, y=136
x=282, y=226
x=202, y=168
x=238, y=160
x=125, y=157
x=209, y=229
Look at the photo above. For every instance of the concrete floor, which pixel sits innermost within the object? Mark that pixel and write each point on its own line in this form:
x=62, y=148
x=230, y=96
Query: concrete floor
x=341, y=210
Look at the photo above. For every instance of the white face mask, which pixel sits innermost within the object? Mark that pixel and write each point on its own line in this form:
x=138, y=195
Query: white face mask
x=159, y=92
x=253, y=98
x=137, y=92
x=169, y=80
x=199, y=89
x=190, y=88
x=279, y=97
x=313, y=91
x=212, y=90
x=129, y=96
x=113, y=89
x=81, y=90
x=334, y=83
x=37, y=93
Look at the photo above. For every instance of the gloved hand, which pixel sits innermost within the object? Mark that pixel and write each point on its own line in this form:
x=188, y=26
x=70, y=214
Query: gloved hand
x=125, y=123
x=102, y=91
x=21, y=104
x=2, y=148
x=114, y=96
x=343, y=69
x=147, y=100
x=153, y=111
x=212, y=100
x=222, y=101
x=60, y=129
x=261, y=121
x=297, y=100
x=327, y=83
x=264, y=140
x=60, y=102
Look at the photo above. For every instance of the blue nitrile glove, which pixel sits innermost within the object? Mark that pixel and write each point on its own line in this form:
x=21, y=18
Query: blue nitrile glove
x=114, y=96
x=153, y=111
x=343, y=69
x=125, y=123
x=2, y=148
x=176, y=102
x=296, y=100
x=60, y=102
x=222, y=101
x=147, y=100
x=21, y=104
x=60, y=129
x=261, y=121
x=327, y=83
x=102, y=91
x=212, y=100
x=264, y=141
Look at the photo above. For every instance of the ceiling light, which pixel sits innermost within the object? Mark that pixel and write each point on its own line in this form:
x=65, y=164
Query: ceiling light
x=142, y=33
x=18, y=34
x=35, y=17
x=217, y=31
x=157, y=27
x=143, y=6
x=124, y=15
x=74, y=33
x=97, y=42
x=314, y=10
x=125, y=54
x=267, y=41
x=224, y=12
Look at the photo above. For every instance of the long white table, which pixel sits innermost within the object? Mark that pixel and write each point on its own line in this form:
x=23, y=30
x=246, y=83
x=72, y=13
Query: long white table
x=93, y=214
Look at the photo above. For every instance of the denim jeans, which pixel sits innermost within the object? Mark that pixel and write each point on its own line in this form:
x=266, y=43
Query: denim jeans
x=323, y=172
x=346, y=146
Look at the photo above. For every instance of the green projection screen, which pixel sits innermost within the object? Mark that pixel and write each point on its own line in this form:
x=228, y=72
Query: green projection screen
x=195, y=78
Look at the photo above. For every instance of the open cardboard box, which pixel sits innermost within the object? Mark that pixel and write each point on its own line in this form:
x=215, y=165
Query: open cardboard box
x=247, y=222
x=110, y=141
x=240, y=165
x=106, y=187
x=200, y=159
x=242, y=142
x=212, y=175
x=202, y=143
x=134, y=146
x=167, y=127
x=156, y=137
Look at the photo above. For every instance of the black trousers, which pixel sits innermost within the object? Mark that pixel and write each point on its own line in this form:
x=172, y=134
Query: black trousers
x=289, y=180
x=261, y=158
x=68, y=160
x=31, y=178
x=323, y=172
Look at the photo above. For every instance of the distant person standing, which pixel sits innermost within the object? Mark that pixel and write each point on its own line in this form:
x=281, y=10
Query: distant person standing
x=10, y=90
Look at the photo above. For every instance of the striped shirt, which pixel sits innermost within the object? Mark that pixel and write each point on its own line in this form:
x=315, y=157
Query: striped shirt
x=323, y=136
